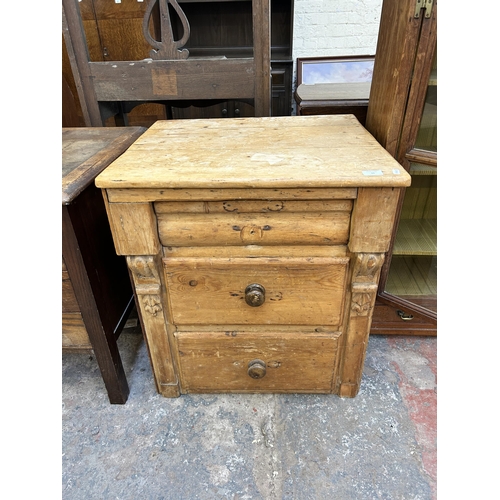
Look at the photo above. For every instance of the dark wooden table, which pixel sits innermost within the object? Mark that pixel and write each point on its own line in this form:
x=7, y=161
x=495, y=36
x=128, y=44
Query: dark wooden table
x=333, y=99
x=96, y=291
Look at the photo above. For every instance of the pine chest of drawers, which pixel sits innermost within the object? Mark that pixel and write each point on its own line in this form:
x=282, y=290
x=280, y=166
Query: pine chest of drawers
x=255, y=247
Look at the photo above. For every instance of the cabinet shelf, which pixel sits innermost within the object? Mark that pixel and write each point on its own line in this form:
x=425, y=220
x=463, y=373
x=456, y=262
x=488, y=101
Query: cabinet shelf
x=229, y=52
x=278, y=54
x=416, y=237
x=433, y=80
x=421, y=169
x=412, y=276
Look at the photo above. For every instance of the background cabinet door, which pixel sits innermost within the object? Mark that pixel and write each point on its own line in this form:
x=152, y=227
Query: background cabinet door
x=402, y=115
x=413, y=271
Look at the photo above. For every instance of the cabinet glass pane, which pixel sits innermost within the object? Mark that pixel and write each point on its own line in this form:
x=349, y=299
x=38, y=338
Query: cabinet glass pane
x=413, y=269
x=427, y=133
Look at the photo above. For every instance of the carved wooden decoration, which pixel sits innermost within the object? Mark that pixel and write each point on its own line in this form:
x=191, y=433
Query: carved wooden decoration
x=147, y=284
x=366, y=267
x=363, y=298
x=144, y=270
x=364, y=284
x=167, y=48
x=366, y=272
x=147, y=281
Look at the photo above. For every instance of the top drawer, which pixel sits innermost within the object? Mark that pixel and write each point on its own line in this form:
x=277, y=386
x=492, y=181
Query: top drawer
x=254, y=222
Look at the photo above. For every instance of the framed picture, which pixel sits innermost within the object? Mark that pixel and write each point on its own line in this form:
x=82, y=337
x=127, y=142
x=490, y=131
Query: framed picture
x=342, y=69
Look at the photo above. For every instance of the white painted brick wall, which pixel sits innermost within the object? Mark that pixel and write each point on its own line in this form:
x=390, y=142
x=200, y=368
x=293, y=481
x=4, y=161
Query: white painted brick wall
x=334, y=28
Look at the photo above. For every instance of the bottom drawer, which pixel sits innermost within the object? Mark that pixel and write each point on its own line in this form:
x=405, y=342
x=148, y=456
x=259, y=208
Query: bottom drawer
x=257, y=362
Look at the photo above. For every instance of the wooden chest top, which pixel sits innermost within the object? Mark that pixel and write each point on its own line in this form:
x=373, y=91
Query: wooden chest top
x=270, y=152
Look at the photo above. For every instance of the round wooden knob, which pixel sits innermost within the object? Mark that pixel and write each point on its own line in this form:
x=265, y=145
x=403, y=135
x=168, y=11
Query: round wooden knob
x=255, y=295
x=257, y=368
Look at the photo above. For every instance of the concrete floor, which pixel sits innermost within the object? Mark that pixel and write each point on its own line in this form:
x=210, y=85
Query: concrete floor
x=379, y=445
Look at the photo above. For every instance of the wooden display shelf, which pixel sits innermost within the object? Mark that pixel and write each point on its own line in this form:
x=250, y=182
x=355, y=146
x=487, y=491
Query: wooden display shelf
x=433, y=80
x=421, y=169
x=416, y=237
x=411, y=276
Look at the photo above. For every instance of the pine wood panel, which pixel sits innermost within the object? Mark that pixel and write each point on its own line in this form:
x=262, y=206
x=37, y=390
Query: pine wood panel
x=249, y=229
x=373, y=219
x=297, y=290
x=74, y=333
x=134, y=228
x=253, y=251
x=233, y=153
x=253, y=206
x=207, y=195
x=295, y=362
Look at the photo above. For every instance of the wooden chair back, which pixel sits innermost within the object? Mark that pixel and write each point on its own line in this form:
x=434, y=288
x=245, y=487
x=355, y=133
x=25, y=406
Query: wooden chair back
x=169, y=76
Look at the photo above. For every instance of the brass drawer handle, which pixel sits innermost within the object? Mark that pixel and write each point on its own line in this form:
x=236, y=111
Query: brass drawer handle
x=257, y=368
x=255, y=295
x=404, y=316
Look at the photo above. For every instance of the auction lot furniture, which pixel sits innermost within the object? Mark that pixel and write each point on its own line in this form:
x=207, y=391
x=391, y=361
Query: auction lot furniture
x=96, y=291
x=402, y=116
x=169, y=53
x=255, y=247
x=334, y=85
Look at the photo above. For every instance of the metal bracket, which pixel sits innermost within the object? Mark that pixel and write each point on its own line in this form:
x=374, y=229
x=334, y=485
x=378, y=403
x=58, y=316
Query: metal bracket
x=423, y=4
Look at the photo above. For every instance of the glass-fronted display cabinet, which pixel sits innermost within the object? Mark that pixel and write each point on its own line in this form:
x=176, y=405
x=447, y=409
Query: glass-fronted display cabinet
x=413, y=270
x=402, y=115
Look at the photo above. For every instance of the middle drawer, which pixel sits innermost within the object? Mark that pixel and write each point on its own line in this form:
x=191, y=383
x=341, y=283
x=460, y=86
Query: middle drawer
x=256, y=290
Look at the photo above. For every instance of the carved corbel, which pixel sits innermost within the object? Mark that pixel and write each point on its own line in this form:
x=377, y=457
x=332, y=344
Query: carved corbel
x=147, y=282
x=363, y=298
x=367, y=267
x=366, y=272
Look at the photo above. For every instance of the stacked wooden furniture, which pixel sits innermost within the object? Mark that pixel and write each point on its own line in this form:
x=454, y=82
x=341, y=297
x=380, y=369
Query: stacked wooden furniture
x=402, y=116
x=169, y=52
x=255, y=247
x=223, y=29
x=333, y=97
x=96, y=291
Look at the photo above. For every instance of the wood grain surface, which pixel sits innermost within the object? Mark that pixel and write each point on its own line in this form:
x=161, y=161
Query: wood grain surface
x=291, y=152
